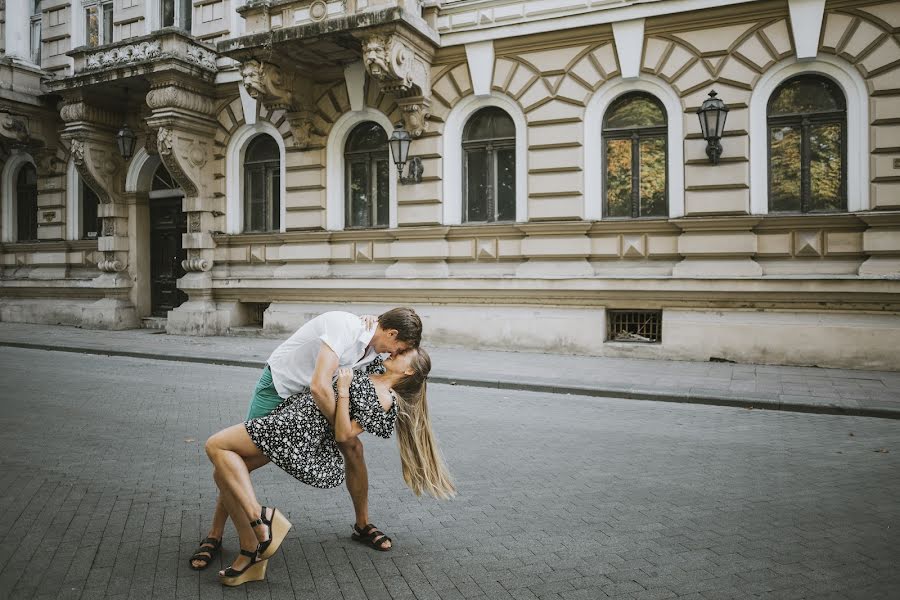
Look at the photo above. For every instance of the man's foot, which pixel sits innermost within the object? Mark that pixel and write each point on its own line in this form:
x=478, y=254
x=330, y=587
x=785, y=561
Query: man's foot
x=371, y=536
x=207, y=552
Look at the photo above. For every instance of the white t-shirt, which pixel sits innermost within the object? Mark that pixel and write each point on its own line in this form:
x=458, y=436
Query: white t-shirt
x=293, y=362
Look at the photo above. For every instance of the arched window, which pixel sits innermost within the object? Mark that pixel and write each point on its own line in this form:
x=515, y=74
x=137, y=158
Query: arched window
x=26, y=204
x=806, y=118
x=367, y=202
x=634, y=158
x=489, y=167
x=262, y=185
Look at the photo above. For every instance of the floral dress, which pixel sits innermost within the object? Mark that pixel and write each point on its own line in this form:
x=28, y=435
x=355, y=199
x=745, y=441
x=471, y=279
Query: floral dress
x=298, y=438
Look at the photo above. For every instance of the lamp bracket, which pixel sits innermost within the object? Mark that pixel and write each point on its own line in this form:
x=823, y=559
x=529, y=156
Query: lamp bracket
x=414, y=174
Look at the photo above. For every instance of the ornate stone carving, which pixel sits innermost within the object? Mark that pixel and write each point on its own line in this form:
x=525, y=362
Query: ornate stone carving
x=195, y=262
x=302, y=123
x=171, y=95
x=77, y=149
x=13, y=127
x=415, y=114
x=201, y=56
x=121, y=55
x=110, y=264
x=395, y=66
x=72, y=112
x=268, y=83
x=165, y=143
x=194, y=222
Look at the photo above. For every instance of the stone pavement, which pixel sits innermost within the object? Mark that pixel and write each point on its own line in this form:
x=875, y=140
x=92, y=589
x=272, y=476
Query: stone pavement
x=105, y=491
x=802, y=389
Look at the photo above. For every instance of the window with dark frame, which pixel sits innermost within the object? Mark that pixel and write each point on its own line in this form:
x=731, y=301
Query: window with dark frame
x=807, y=123
x=635, y=158
x=176, y=13
x=90, y=223
x=26, y=204
x=98, y=24
x=489, y=167
x=262, y=185
x=367, y=177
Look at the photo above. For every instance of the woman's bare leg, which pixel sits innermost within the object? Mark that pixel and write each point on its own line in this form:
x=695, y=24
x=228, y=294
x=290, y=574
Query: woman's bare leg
x=220, y=516
x=228, y=450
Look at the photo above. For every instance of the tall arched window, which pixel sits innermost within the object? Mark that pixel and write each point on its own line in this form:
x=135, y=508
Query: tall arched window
x=489, y=167
x=26, y=204
x=367, y=202
x=262, y=185
x=634, y=158
x=807, y=117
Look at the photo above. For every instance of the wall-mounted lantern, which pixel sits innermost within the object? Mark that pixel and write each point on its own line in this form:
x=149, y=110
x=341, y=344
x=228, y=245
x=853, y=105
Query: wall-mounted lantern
x=712, y=115
x=399, y=143
x=125, y=140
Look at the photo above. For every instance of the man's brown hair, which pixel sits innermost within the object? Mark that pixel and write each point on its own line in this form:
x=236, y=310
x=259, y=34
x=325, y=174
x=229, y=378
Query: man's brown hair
x=406, y=322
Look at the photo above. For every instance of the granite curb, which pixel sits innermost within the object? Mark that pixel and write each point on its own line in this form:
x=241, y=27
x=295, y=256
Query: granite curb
x=717, y=398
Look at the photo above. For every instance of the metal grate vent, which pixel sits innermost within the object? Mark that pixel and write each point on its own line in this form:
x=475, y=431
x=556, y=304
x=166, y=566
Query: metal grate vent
x=642, y=326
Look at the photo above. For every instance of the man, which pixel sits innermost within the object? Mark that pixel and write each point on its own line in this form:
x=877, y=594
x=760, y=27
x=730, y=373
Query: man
x=309, y=359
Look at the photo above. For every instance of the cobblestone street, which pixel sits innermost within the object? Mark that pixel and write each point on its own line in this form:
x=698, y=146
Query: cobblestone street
x=106, y=490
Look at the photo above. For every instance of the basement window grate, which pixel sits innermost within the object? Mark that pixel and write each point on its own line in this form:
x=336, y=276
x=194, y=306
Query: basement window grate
x=640, y=326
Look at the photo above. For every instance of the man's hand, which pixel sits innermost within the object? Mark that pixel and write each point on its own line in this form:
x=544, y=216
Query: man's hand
x=369, y=321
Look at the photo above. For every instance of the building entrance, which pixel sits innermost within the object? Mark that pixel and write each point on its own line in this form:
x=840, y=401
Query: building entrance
x=167, y=223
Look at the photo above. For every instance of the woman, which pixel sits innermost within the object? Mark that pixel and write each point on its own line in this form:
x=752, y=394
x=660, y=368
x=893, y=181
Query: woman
x=300, y=440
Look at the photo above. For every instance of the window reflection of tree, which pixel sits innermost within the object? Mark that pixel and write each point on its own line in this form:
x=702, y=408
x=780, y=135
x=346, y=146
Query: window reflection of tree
x=807, y=118
x=262, y=185
x=634, y=156
x=489, y=167
x=367, y=175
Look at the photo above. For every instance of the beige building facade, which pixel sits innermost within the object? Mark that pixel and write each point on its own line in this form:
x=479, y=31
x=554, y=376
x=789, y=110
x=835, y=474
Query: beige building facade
x=566, y=201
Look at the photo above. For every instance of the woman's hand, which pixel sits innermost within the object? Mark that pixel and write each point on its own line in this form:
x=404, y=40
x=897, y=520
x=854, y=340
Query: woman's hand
x=369, y=321
x=345, y=376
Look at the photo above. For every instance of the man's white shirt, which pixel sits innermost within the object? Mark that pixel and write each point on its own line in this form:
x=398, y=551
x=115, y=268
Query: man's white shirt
x=292, y=363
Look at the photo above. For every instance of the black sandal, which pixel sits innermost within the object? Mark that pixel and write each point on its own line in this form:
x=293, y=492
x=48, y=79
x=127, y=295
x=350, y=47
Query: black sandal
x=207, y=552
x=371, y=536
x=255, y=571
x=278, y=527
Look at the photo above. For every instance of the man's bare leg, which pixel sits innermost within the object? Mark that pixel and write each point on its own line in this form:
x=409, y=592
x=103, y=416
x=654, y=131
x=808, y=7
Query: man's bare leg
x=357, y=475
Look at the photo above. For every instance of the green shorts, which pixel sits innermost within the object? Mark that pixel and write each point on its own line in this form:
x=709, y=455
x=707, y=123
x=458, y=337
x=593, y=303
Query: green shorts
x=265, y=398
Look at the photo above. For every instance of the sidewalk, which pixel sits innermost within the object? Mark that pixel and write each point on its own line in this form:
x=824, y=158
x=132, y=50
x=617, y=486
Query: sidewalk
x=803, y=389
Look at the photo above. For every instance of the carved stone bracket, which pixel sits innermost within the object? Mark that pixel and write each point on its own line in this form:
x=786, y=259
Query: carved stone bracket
x=415, y=114
x=78, y=111
x=98, y=165
x=13, y=128
x=169, y=95
x=269, y=83
x=302, y=125
x=402, y=68
x=165, y=144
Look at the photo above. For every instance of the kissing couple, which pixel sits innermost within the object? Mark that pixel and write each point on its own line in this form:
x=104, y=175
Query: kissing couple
x=336, y=377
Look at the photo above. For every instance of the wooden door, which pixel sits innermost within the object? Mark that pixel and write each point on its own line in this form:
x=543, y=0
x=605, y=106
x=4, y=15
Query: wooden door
x=167, y=223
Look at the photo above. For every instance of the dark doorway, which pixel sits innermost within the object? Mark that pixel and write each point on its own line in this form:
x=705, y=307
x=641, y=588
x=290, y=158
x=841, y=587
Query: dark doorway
x=167, y=223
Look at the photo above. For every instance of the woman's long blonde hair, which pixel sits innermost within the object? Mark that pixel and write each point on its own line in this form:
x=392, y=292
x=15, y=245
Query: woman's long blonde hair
x=423, y=467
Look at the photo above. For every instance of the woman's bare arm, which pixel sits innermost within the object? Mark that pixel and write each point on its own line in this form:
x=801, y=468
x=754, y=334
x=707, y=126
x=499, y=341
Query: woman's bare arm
x=344, y=428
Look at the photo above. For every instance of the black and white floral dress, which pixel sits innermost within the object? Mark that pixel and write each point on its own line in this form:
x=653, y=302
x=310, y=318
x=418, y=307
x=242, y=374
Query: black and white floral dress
x=298, y=438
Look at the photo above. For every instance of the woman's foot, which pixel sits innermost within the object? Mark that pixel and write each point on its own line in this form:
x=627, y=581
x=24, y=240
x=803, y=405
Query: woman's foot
x=271, y=528
x=245, y=568
x=208, y=550
x=371, y=536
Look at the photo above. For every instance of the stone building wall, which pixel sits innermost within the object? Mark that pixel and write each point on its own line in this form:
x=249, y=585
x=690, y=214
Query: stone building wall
x=732, y=281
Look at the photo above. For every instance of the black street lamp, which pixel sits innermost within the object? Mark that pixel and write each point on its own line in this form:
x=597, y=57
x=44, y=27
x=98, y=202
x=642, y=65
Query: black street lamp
x=125, y=140
x=399, y=143
x=712, y=115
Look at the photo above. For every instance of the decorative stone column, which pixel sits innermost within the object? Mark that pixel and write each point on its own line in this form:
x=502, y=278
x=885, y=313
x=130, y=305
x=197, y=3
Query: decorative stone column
x=90, y=132
x=182, y=115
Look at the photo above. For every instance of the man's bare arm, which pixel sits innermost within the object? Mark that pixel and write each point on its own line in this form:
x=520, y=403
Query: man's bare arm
x=327, y=363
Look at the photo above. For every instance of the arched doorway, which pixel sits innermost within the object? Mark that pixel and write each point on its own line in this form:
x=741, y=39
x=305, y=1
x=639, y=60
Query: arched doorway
x=167, y=224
